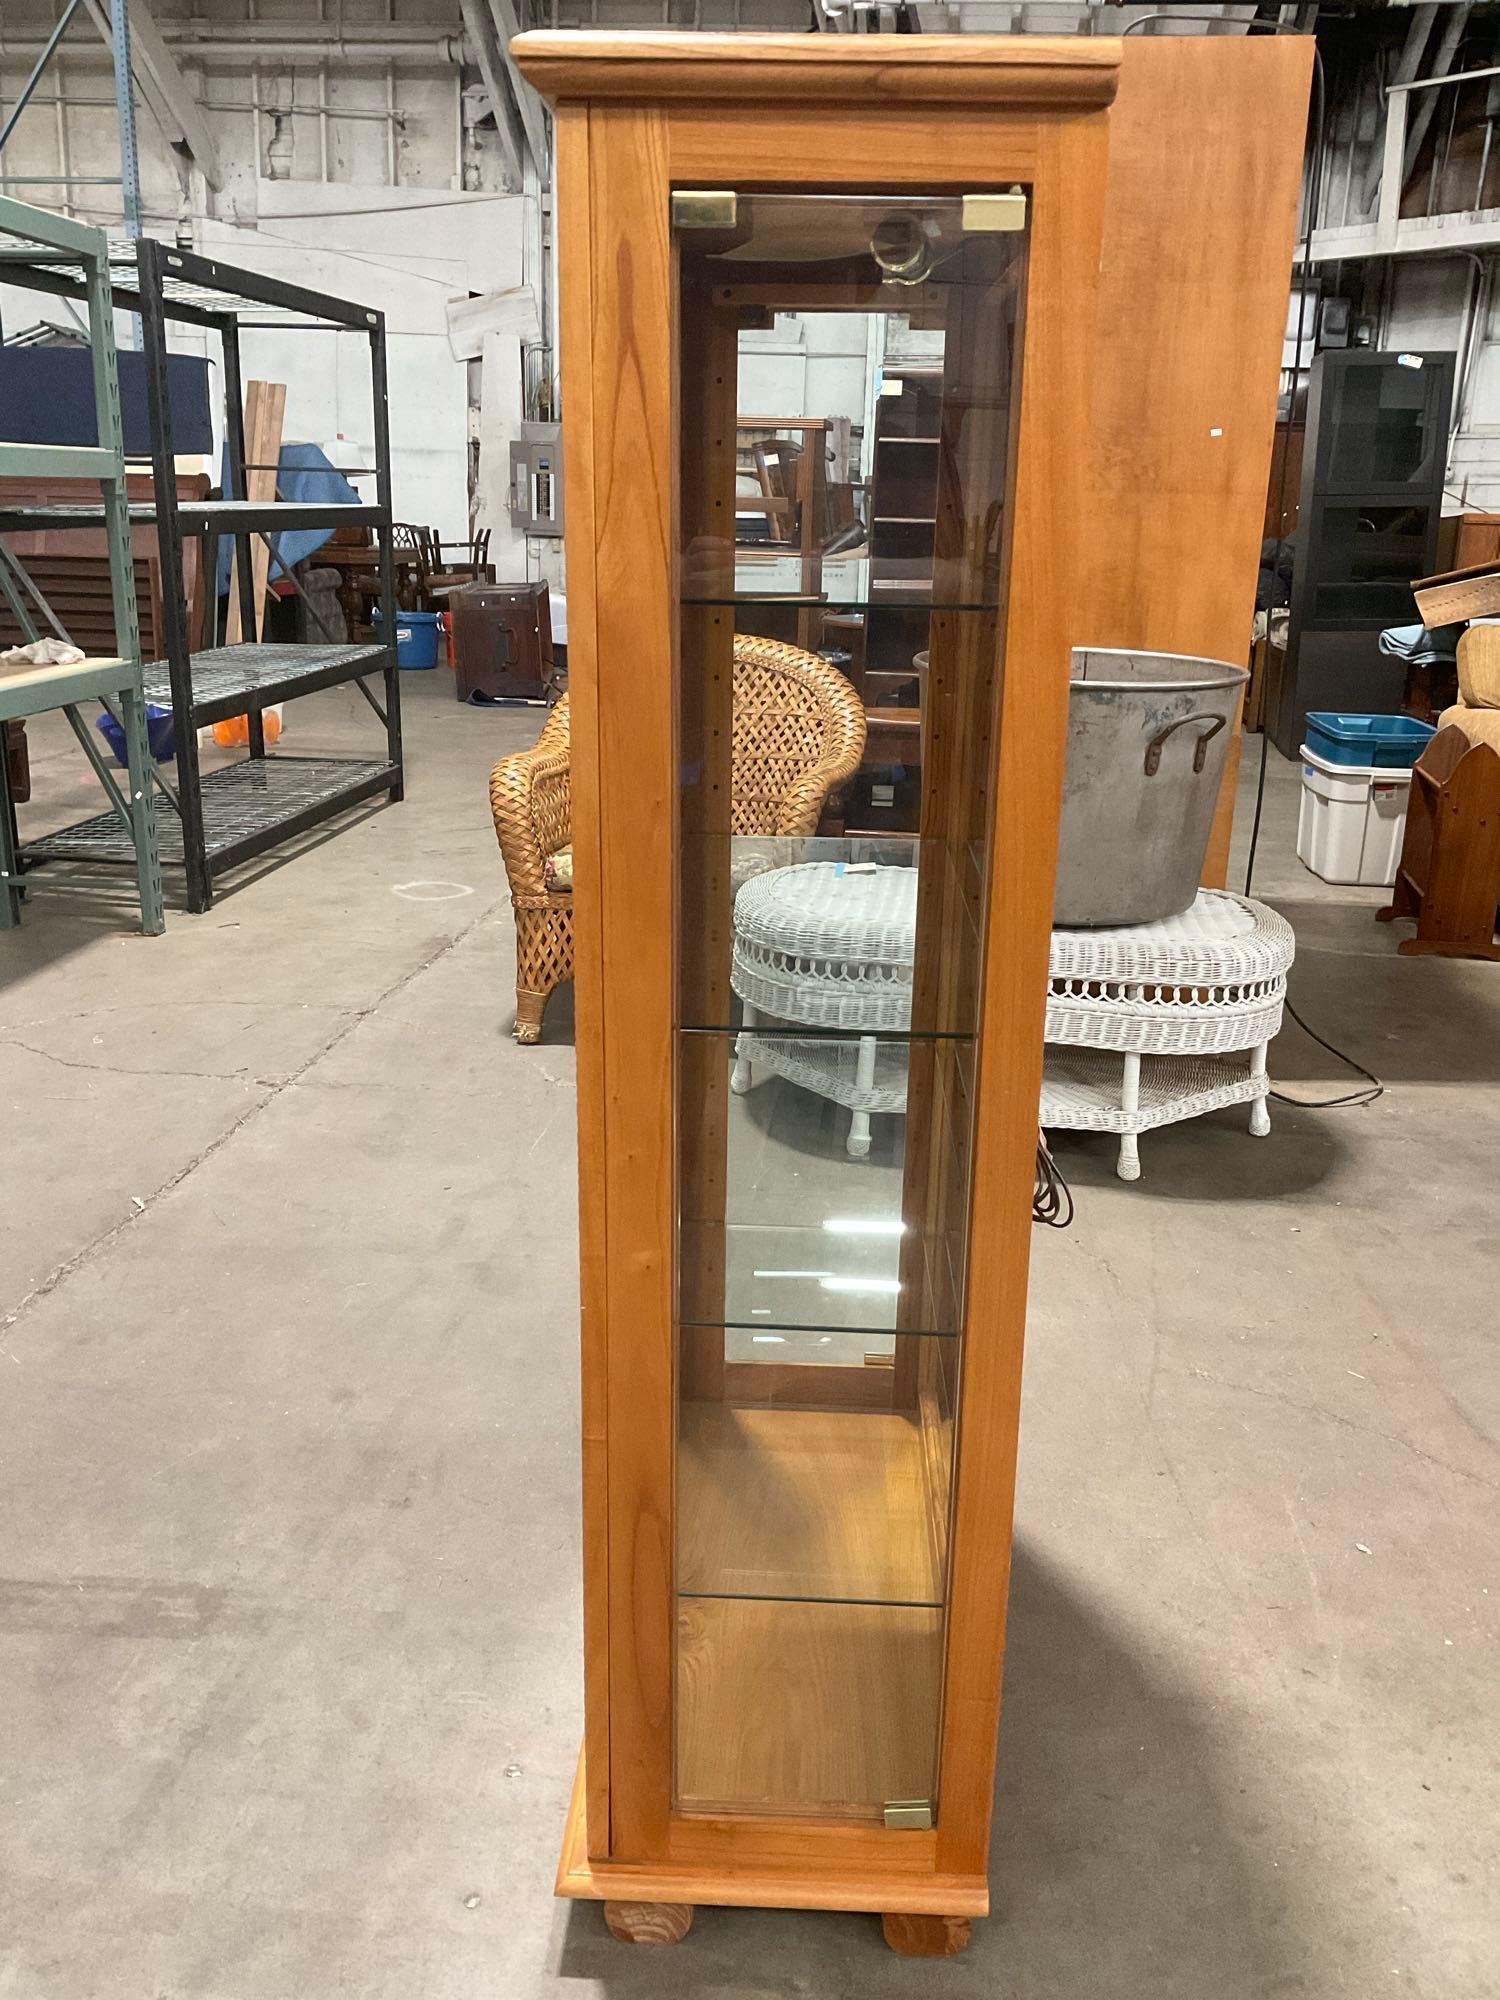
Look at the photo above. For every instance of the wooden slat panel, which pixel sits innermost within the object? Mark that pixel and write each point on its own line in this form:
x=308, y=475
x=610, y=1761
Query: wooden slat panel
x=265, y=411
x=1193, y=292
x=81, y=593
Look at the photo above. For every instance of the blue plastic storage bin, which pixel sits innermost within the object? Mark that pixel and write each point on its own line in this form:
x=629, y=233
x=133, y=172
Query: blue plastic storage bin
x=416, y=637
x=160, y=734
x=1369, y=742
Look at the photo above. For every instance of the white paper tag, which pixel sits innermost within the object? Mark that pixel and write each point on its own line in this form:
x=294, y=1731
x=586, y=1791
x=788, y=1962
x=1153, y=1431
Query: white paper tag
x=1408, y=360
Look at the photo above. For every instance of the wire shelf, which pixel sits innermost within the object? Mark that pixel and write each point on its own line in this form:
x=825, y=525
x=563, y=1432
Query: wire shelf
x=227, y=678
x=246, y=807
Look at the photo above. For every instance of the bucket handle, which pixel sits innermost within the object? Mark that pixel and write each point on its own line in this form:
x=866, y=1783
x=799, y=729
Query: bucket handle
x=1200, y=748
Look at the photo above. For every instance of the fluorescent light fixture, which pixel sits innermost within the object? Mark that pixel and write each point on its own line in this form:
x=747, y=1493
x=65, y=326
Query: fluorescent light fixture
x=864, y=1225
x=885, y=1288
x=791, y=1274
x=768, y=1339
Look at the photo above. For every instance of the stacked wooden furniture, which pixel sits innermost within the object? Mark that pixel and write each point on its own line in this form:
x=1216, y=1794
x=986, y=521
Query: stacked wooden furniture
x=782, y=483
x=71, y=563
x=1449, y=876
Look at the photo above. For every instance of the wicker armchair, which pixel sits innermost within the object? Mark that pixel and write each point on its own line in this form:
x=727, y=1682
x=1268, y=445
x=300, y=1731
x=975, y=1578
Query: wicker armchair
x=799, y=730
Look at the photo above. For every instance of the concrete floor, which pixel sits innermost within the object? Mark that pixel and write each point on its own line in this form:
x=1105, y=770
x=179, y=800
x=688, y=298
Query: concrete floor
x=289, y=1642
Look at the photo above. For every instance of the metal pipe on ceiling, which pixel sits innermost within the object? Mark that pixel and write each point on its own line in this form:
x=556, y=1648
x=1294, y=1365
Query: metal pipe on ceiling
x=246, y=45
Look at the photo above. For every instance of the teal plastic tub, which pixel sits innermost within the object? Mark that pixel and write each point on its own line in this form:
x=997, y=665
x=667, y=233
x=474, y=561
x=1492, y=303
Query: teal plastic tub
x=1367, y=742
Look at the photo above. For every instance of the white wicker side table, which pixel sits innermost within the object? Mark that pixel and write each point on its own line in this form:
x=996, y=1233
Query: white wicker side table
x=825, y=944
x=1147, y=1024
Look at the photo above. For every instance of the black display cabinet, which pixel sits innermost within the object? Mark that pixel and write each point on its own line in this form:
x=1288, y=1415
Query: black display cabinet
x=1372, y=491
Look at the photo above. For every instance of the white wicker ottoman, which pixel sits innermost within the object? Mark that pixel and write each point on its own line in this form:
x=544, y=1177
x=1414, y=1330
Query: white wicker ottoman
x=1145, y=1024
x=827, y=945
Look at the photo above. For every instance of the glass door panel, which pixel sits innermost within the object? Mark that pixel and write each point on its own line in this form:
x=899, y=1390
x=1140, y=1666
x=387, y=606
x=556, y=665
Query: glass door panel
x=847, y=384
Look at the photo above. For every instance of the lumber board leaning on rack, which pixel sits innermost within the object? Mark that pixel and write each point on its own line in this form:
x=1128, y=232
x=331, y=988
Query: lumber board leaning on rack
x=265, y=413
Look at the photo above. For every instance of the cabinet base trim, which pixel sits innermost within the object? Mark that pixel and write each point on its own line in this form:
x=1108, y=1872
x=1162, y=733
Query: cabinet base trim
x=818, y=1884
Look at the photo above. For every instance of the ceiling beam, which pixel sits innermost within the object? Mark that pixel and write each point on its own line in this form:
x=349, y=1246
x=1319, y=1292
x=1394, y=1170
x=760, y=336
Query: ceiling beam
x=480, y=28
x=164, y=86
x=533, y=112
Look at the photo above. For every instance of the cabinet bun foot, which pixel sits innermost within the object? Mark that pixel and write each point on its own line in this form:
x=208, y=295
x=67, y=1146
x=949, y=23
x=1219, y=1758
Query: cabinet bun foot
x=649, y=1923
x=925, y=1936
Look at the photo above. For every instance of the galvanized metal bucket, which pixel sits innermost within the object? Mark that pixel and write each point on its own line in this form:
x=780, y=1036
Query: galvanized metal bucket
x=1148, y=734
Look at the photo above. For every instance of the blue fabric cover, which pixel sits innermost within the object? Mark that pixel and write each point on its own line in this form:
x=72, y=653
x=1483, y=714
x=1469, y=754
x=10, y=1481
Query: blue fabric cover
x=303, y=473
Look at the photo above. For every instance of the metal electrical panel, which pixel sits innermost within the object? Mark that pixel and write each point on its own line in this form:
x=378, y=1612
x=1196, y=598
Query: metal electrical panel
x=536, y=495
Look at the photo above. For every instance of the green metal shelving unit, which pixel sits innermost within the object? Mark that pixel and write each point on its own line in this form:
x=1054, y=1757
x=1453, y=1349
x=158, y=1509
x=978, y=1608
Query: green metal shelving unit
x=31, y=238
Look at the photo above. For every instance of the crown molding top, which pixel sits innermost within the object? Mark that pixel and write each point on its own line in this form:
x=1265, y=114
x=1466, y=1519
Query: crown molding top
x=849, y=70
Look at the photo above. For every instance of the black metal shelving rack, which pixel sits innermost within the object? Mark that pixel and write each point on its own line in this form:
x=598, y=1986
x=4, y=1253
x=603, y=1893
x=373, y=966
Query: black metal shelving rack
x=215, y=820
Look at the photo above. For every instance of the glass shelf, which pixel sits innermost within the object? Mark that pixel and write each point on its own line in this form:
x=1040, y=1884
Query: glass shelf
x=784, y=1282
x=917, y=595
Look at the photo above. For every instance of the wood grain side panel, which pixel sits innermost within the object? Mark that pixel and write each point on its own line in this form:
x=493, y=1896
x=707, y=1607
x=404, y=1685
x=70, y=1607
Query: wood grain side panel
x=577, y=321
x=1057, y=367
x=1196, y=262
x=633, y=480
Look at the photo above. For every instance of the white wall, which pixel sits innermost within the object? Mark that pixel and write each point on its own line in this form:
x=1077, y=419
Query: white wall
x=1427, y=310
x=408, y=252
x=806, y=365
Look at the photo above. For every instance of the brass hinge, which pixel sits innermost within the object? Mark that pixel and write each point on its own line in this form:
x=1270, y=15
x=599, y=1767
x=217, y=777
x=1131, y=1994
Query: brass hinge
x=912, y=1814
x=992, y=212
x=703, y=208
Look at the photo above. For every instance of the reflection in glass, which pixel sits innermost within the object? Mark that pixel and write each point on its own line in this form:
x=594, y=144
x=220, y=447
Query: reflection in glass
x=846, y=398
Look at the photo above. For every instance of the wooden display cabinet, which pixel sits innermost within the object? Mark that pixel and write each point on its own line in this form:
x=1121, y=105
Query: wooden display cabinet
x=801, y=1369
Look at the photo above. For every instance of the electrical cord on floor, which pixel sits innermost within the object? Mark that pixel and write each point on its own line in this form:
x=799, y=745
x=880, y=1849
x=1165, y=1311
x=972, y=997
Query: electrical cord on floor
x=1052, y=1198
x=1373, y=1086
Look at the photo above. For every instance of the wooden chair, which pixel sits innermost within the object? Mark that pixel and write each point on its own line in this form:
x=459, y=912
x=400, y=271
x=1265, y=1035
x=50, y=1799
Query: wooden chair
x=409, y=550
x=455, y=565
x=799, y=730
